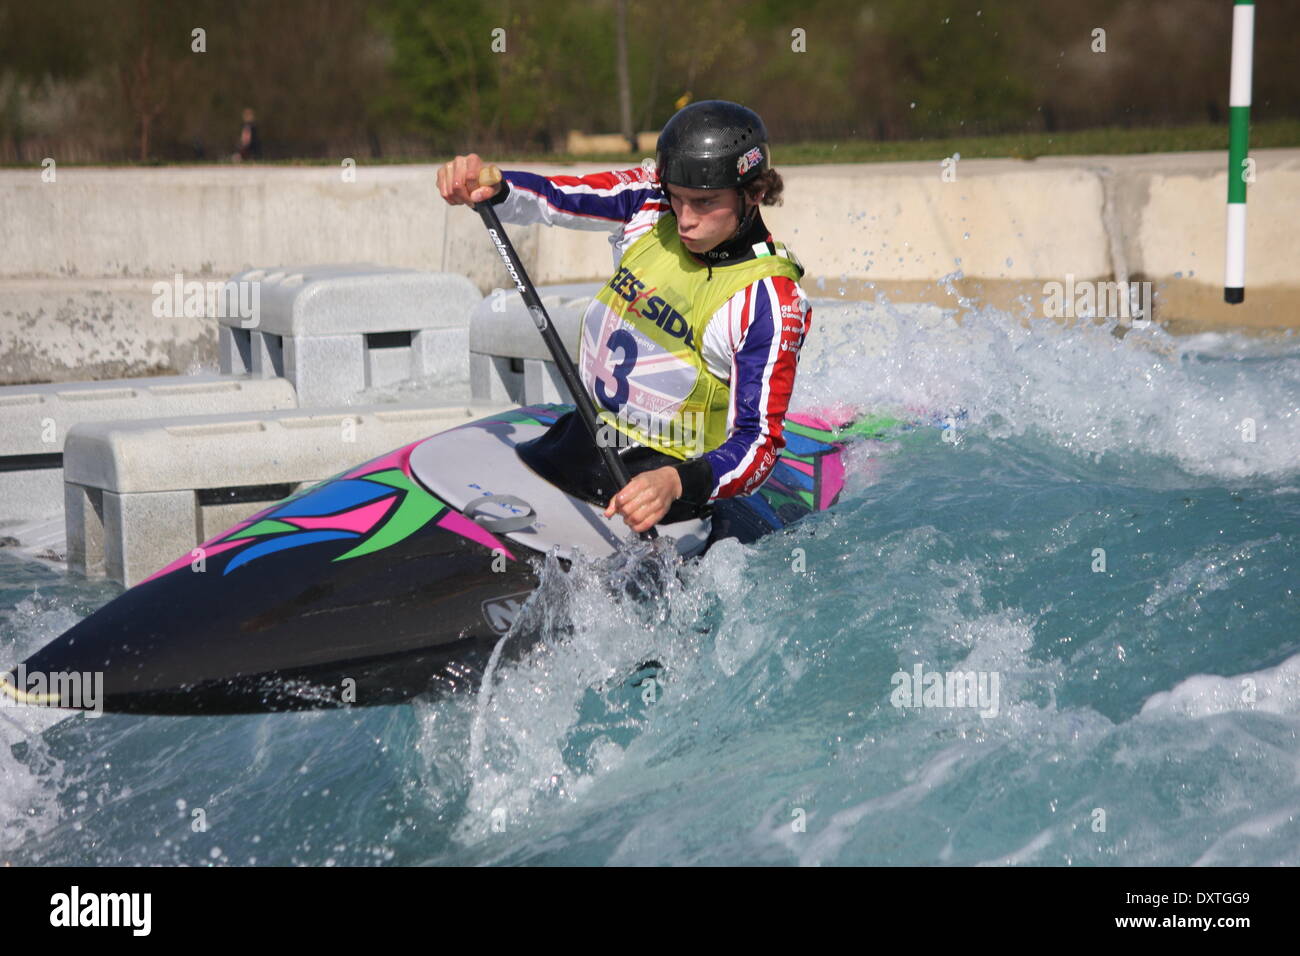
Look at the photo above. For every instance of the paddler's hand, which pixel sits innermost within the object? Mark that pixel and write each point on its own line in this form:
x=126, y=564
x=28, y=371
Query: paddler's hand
x=646, y=498
x=456, y=178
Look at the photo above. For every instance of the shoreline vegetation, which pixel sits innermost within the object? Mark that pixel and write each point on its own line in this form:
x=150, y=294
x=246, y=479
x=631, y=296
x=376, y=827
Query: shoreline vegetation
x=1107, y=141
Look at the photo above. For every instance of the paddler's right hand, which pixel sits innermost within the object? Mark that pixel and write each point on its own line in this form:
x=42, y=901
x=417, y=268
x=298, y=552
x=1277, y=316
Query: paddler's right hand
x=457, y=179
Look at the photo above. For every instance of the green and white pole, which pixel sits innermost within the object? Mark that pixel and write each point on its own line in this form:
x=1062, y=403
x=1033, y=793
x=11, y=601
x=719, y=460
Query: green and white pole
x=1243, y=39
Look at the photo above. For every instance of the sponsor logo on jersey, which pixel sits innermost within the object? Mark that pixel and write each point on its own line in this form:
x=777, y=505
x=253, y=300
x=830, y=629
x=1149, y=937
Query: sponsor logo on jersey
x=655, y=308
x=755, y=480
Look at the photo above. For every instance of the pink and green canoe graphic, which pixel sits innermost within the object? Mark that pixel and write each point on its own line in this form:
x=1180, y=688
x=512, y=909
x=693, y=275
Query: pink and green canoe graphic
x=368, y=589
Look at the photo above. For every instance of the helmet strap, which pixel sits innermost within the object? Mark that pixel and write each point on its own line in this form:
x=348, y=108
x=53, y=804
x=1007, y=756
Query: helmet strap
x=745, y=216
x=739, y=247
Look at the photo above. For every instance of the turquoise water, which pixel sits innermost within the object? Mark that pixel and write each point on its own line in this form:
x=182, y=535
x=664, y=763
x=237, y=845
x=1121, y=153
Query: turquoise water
x=1147, y=709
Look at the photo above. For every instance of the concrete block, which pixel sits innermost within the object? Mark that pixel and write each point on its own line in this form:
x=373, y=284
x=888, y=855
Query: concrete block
x=494, y=379
x=141, y=493
x=441, y=353
x=36, y=419
x=243, y=352
x=137, y=527
x=83, y=513
x=335, y=331
x=234, y=351
x=389, y=358
x=543, y=383
x=503, y=341
x=327, y=369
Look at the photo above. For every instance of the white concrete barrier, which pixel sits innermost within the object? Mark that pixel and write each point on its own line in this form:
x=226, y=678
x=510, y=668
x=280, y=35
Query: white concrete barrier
x=140, y=494
x=35, y=421
x=1006, y=227
x=508, y=360
x=334, y=331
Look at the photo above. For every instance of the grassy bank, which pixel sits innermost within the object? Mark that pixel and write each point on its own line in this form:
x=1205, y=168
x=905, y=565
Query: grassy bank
x=1091, y=142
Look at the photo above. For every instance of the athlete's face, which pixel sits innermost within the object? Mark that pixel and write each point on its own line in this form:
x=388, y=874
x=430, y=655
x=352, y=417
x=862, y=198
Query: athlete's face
x=706, y=217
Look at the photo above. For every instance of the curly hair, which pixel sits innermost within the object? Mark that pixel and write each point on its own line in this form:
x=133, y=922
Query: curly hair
x=768, y=183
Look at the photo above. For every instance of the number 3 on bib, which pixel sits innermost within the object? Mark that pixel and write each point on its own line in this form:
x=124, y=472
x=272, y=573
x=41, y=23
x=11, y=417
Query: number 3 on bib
x=620, y=339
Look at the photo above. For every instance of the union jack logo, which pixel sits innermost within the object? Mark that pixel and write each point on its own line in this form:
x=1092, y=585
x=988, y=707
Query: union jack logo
x=749, y=160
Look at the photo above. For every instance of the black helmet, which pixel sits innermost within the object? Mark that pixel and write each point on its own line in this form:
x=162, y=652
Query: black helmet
x=712, y=144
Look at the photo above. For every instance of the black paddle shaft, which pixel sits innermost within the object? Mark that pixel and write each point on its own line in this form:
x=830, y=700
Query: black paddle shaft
x=586, y=407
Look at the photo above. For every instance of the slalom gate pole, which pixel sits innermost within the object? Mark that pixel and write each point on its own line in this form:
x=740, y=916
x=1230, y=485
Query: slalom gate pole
x=1243, y=38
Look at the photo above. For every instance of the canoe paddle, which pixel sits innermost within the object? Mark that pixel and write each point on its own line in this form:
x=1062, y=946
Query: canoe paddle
x=490, y=176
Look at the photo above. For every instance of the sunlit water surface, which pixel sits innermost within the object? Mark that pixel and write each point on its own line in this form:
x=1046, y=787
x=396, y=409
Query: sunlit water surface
x=1102, y=539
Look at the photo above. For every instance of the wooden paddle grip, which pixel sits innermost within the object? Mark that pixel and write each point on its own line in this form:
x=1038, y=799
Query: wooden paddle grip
x=487, y=176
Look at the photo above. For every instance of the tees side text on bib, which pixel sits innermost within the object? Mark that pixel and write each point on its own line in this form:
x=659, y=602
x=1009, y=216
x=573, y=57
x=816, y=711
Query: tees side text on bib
x=642, y=340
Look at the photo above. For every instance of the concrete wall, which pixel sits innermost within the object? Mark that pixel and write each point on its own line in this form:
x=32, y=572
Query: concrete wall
x=81, y=252
x=68, y=330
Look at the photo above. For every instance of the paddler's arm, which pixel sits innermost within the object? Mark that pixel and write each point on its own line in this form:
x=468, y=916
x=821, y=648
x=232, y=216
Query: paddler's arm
x=766, y=332
x=606, y=202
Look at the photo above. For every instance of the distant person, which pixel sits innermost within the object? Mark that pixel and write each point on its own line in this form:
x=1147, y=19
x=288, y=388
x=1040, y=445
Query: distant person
x=250, y=143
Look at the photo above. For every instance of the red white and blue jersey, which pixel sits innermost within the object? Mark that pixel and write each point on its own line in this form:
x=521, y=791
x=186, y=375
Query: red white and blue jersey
x=752, y=342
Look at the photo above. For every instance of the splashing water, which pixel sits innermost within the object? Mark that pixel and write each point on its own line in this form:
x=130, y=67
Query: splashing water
x=1107, y=552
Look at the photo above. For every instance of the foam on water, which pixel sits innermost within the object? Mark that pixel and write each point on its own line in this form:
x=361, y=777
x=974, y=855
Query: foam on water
x=1275, y=690
x=1081, y=388
x=1148, y=698
x=30, y=776
x=1110, y=403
